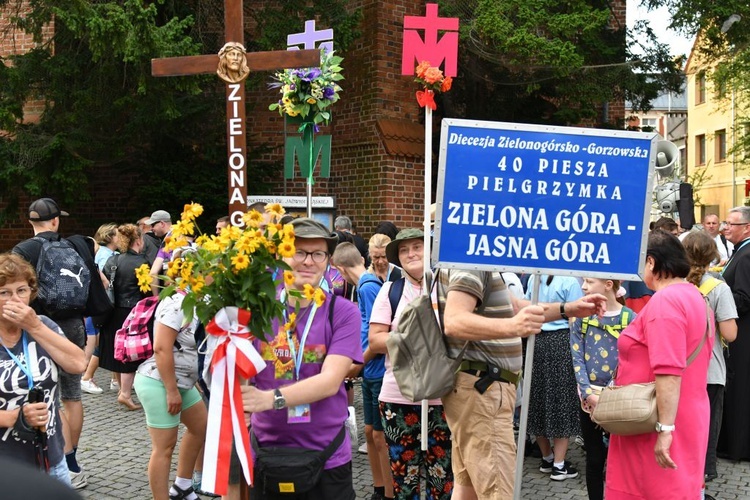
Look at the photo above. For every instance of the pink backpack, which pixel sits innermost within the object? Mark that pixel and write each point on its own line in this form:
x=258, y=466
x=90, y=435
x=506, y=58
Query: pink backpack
x=133, y=340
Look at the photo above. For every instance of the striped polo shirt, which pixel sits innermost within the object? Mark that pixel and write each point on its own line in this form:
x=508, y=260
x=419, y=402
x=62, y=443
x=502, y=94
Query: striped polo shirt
x=493, y=301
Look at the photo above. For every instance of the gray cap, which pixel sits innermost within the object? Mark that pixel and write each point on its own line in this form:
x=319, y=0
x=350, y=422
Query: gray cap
x=391, y=250
x=306, y=228
x=45, y=209
x=159, y=216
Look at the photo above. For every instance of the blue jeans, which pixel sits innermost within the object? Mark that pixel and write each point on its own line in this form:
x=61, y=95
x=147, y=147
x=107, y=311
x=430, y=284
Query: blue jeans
x=60, y=472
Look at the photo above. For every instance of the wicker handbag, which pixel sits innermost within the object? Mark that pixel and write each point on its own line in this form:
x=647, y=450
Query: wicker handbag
x=627, y=410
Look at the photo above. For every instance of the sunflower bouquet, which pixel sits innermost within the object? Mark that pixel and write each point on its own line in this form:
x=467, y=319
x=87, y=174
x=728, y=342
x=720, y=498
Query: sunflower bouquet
x=240, y=267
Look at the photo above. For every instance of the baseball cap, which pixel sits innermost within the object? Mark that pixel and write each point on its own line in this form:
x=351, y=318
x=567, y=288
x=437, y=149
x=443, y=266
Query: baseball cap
x=45, y=209
x=306, y=228
x=159, y=216
x=391, y=250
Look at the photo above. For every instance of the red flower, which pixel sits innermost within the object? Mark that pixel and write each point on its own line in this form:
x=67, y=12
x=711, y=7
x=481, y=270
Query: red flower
x=446, y=85
x=398, y=468
x=411, y=419
x=438, y=451
x=408, y=455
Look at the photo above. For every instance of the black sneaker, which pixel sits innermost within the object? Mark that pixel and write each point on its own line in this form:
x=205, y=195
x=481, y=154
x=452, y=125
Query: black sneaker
x=546, y=466
x=567, y=471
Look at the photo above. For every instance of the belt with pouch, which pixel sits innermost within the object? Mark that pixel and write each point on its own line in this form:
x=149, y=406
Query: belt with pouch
x=481, y=370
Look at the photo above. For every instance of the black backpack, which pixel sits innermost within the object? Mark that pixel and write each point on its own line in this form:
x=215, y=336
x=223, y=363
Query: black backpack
x=63, y=279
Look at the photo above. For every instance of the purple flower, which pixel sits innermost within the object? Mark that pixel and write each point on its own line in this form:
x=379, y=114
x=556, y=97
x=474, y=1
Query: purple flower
x=328, y=93
x=292, y=86
x=308, y=75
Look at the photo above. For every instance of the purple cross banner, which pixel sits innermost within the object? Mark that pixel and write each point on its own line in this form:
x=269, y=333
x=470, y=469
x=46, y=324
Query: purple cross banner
x=310, y=37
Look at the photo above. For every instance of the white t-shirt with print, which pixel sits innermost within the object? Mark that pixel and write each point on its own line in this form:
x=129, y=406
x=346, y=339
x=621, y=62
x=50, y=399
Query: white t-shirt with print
x=169, y=313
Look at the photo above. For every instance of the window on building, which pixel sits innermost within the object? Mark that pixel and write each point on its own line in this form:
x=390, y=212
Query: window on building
x=720, y=140
x=700, y=149
x=648, y=124
x=700, y=88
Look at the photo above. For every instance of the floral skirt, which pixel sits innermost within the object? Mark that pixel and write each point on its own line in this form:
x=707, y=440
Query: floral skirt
x=403, y=434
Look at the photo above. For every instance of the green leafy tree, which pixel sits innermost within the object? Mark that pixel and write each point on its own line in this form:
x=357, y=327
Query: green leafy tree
x=102, y=109
x=545, y=61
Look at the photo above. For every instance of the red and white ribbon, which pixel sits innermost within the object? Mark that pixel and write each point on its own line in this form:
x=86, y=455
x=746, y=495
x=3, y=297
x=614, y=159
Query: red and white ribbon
x=233, y=357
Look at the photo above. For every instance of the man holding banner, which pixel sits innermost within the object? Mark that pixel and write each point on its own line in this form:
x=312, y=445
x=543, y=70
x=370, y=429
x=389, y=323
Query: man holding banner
x=479, y=411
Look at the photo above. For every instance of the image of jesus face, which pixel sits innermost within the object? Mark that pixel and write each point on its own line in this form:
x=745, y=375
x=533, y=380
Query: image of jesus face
x=233, y=67
x=234, y=59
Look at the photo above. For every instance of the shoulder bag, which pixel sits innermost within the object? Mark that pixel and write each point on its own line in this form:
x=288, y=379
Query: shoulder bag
x=628, y=410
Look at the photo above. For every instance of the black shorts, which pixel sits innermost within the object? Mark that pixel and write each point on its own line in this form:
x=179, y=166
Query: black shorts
x=334, y=483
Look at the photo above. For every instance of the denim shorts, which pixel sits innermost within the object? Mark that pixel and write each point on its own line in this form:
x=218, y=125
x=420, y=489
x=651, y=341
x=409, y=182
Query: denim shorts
x=70, y=384
x=60, y=472
x=370, y=393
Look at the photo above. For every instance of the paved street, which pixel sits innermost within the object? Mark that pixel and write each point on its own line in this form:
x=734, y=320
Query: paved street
x=115, y=447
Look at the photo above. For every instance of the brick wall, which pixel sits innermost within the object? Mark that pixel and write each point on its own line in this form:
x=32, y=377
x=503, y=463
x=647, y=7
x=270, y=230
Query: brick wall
x=369, y=185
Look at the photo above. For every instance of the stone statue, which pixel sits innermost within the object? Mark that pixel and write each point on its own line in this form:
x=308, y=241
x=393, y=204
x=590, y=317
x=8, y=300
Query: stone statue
x=232, y=63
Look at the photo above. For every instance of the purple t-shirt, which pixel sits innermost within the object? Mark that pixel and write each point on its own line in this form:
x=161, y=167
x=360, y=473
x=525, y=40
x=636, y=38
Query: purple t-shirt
x=328, y=415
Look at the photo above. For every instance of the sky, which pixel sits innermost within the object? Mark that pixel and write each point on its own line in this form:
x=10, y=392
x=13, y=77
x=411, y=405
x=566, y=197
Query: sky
x=659, y=20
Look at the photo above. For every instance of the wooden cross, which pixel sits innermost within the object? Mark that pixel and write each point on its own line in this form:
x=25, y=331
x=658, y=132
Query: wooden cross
x=235, y=95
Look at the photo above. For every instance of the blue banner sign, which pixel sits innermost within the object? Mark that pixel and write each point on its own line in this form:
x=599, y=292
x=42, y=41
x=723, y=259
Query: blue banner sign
x=542, y=199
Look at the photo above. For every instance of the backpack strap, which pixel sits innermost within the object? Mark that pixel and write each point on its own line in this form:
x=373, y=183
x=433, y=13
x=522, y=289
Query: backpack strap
x=394, y=295
x=708, y=285
x=330, y=310
x=585, y=325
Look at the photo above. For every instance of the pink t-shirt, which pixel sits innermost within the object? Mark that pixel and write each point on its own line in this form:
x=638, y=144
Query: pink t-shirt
x=381, y=313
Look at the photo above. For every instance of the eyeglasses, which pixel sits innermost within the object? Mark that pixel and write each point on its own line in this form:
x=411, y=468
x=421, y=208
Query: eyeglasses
x=155, y=223
x=737, y=223
x=23, y=293
x=318, y=256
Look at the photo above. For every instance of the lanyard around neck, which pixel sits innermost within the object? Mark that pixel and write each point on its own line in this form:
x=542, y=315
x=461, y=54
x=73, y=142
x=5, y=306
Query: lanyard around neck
x=25, y=367
x=297, y=357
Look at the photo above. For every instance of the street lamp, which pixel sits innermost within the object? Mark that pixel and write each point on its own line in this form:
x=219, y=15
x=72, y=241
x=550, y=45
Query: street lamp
x=728, y=23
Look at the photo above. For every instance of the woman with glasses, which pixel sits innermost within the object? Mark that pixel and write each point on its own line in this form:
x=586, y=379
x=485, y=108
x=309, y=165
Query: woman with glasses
x=33, y=352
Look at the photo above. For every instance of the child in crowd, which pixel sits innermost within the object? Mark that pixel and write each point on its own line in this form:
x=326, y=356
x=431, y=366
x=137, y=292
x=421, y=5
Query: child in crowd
x=593, y=343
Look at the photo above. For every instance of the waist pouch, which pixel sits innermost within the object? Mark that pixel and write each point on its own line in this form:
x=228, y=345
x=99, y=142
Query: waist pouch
x=291, y=470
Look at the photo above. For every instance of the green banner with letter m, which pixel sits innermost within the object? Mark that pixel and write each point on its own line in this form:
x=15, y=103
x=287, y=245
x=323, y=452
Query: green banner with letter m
x=296, y=148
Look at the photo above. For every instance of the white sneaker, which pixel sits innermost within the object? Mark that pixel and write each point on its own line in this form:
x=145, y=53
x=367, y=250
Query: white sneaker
x=362, y=449
x=114, y=385
x=90, y=387
x=78, y=479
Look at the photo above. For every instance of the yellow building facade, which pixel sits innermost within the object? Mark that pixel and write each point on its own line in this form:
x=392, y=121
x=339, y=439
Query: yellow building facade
x=713, y=128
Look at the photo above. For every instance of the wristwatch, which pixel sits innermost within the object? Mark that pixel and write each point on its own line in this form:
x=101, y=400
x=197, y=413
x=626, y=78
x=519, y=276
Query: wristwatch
x=663, y=428
x=279, y=402
x=562, y=310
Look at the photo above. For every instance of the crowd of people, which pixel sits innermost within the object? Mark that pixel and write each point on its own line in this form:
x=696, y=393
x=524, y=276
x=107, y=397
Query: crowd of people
x=591, y=332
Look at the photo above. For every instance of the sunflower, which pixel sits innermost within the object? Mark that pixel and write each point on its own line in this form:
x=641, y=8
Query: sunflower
x=192, y=211
x=288, y=278
x=286, y=248
x=252, y=219
x=143, y=273
x=275, y=209
x=240, y=262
